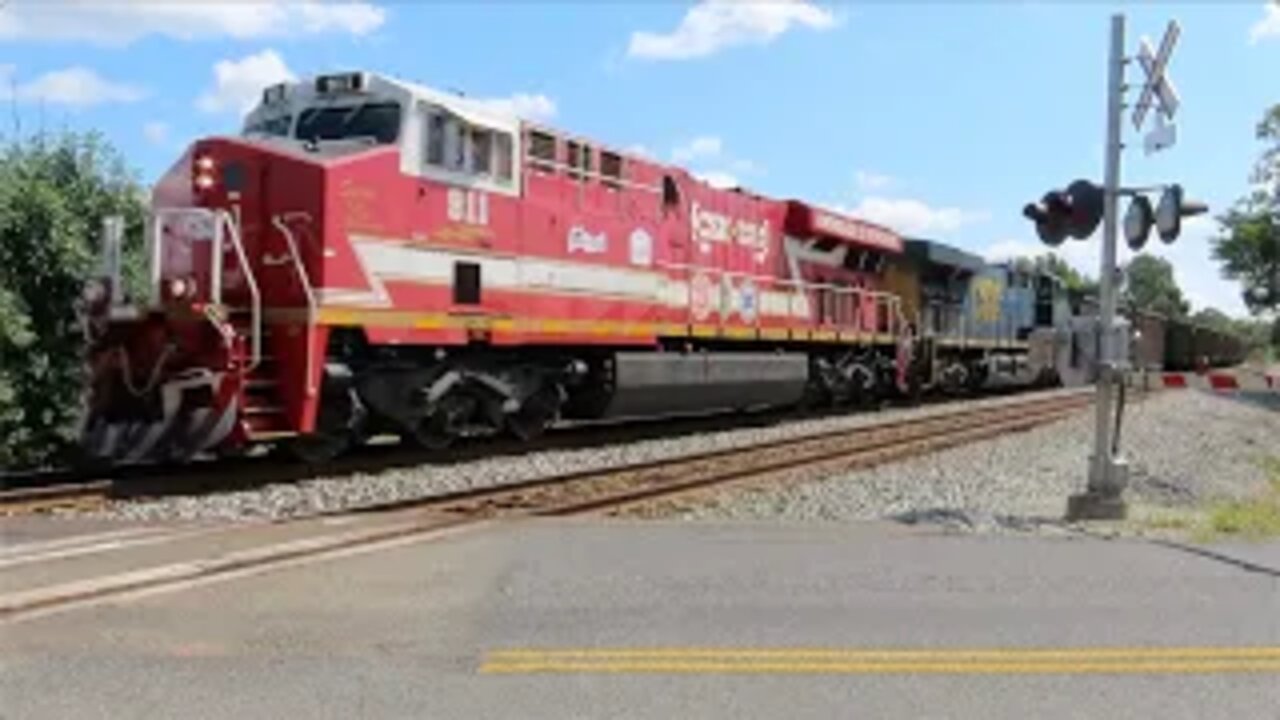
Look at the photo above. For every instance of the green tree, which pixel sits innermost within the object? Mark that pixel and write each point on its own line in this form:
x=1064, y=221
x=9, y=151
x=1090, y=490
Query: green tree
x=1071, y=278
x=1150, y=286
x=54, y=192
x=1249, y=249
x=1215, y=319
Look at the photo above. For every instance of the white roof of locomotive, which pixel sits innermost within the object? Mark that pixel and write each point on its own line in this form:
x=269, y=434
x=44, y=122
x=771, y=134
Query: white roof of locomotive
x=302, y=94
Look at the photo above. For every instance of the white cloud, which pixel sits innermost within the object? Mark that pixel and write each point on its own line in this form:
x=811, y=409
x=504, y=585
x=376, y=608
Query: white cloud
x=238, y=84
x=913, y=217
x=640, y=151
x=713, y=25
x=156, y=133
x=705, y=146
x=866, y=180
x=74, y=86
x=718, y=179
x=747, y=167
x=1268, y=26
x=521, y=105
x=123, y=21
x=707, y=160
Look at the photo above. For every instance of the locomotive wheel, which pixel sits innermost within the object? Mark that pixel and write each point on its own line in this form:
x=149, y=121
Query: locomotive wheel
x=433, y=433
x=318, y=448
x=338, y=426
x=536, y=413
x=438, y=430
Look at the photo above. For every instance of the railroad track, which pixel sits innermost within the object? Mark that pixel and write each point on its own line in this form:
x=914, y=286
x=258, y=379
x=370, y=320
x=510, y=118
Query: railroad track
x=619, y=488
x=72, y=495
x=282, y=543
x=63, y=489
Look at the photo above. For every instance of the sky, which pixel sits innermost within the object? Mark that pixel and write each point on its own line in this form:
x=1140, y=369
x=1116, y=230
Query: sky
x=939, y=120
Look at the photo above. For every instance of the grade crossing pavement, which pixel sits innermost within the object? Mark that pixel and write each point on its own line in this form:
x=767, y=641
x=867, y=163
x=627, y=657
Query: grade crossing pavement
x=591, y=618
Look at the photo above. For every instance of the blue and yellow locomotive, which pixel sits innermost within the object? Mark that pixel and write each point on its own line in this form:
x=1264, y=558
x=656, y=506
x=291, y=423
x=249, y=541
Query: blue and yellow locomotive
x=978, y=324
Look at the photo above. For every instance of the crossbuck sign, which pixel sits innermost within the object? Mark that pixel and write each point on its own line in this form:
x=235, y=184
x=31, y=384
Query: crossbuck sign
x=1158, y=88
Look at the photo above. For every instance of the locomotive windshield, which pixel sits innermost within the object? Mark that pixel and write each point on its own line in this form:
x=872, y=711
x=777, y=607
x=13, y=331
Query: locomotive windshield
x=277, y=126
x=379, y=122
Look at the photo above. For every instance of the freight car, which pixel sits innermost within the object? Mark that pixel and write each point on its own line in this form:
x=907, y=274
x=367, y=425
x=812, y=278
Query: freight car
x=1175, y=344
x=373, y=255
x=1189, y=346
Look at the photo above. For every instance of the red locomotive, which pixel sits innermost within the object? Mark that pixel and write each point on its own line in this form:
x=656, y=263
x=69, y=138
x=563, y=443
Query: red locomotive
x=371, y=256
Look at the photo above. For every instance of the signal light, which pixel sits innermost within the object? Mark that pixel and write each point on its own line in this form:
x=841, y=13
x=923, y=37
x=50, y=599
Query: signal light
x=1075, y=211
x=1172, y=208
x=1137, y=222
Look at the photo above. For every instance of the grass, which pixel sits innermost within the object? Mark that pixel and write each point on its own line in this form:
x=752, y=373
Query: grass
x=1254, y=518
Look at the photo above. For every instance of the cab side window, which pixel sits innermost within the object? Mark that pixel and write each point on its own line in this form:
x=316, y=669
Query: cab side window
x=464, y=148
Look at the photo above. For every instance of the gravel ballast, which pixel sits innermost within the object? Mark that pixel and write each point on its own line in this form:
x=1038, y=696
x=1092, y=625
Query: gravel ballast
x=1184, y=448
x=330, y=494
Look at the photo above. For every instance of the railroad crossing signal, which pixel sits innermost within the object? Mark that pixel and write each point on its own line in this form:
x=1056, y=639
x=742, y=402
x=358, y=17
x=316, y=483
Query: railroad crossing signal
x=1166, y=217
x=1075, y=211
x=1159, y=88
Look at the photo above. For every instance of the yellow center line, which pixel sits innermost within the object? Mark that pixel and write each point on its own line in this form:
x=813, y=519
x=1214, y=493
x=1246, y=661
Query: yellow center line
x=1260, y=651
x=871, y=668
x=885, y=660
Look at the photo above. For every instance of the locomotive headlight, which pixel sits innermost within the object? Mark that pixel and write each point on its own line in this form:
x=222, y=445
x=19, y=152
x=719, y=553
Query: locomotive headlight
x=182, y=288
x=204, y=166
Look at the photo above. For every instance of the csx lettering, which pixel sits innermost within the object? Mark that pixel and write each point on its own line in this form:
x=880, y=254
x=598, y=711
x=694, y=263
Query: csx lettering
x=709, y=227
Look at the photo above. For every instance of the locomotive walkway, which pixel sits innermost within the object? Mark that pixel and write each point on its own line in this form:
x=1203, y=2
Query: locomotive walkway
x=559, y=618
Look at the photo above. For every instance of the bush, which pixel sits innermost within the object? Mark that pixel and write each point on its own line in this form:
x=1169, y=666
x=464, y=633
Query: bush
x=54, y=193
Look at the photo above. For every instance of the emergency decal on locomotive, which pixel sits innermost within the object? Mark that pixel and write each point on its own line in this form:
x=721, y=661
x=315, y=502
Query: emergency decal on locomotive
x=747, y=300
x=700, y=296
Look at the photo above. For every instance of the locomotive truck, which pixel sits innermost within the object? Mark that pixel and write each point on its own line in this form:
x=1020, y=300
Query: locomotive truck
x=370, y=255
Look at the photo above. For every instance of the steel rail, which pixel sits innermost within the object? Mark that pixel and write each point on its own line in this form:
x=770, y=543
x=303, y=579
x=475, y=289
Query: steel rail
x=569, y=494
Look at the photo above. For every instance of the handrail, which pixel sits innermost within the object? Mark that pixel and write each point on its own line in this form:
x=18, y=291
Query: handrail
x=887, y=302
x=281, y=223
x=223, y=226
x=256, y=308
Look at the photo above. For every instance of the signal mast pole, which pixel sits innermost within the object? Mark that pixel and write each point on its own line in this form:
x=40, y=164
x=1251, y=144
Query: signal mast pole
x=1108, y=471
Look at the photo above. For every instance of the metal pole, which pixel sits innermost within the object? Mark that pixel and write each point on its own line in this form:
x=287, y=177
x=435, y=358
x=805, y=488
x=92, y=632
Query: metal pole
x=1107, y=477
x=112, y=239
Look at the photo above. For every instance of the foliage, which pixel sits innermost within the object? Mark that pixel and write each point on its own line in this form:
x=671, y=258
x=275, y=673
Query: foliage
x=54, y=192
x=1071, y=278
x=1215, y=319
x=1255, y=518
x=1150, y=286
x=1250, y=248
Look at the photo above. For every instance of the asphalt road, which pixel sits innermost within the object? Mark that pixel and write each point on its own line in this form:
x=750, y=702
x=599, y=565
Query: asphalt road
x=615, y=620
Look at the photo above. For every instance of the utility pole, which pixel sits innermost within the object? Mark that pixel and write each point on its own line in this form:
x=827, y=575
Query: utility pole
x=1108, y=470
x=1076, y=211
